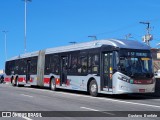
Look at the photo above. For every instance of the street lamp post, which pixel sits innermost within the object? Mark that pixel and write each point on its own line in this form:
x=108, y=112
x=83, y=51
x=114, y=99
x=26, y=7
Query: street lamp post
x=25, y=24
x=5, y=43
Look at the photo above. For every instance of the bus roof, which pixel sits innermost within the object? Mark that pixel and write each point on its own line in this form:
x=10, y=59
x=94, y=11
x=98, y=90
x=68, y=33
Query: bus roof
x=31, y=54
x=119, y=43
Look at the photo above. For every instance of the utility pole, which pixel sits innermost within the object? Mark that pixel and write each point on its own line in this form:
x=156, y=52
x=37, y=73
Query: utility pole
x=5, y=43
x=148, y=37
x=25, y=24
x=93, y=36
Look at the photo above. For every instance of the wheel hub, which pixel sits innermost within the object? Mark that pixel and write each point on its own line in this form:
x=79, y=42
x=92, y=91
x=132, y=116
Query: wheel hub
x=93, y=88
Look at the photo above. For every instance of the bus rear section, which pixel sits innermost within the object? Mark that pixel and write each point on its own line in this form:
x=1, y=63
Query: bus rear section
x=21, y=71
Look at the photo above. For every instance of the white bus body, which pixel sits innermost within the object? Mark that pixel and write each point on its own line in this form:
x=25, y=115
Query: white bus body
x=100, y=66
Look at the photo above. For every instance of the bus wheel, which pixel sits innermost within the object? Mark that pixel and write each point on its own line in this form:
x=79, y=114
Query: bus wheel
x=17, y=83
x=93, y=88
x=13, y=83
x=53, y=84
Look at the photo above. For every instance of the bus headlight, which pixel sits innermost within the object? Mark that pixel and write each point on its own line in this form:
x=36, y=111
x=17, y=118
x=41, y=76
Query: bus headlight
x=124, y=78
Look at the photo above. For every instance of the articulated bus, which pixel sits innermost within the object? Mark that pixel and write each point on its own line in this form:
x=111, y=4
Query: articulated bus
x=111, y=66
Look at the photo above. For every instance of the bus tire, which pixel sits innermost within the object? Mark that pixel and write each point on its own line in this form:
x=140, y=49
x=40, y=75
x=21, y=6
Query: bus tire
x=13, y=82
x=93, y=88
x=53, y=84
x=17, y=83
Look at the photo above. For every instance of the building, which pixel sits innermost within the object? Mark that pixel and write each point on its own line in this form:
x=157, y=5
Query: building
x=156, y=58
x=1, y=71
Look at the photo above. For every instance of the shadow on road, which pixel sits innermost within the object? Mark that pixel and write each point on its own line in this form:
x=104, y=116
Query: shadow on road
x=121, y=96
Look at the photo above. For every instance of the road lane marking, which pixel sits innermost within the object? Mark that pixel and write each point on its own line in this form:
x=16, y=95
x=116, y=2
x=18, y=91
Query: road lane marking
x=97, y=110
x=121, y=101
x=106, y=99
x=113, y=100
x=27, y=118
x=89, y=108
x=26, y=95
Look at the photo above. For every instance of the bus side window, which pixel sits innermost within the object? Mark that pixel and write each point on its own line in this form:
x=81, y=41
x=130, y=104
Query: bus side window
x=74, y=64
x=22, y=67
x=47, y=64
x=95, y=63
x=54, y=64
x=16, y=67
x=57, y=64
x=89, y=64
x=83, y=64
x=8, y=68
x=12, y=67
x=34, y=65
x=79, y=65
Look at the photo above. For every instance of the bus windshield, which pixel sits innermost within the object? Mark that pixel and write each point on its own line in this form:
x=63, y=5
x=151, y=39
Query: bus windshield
x=136, y=64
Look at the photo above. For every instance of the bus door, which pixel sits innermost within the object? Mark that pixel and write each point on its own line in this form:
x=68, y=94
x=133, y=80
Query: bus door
x=63, y=71
x=28, y=70
x=106, y=76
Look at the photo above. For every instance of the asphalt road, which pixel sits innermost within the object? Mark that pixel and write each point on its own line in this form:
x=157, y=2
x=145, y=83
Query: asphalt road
x=60, y=102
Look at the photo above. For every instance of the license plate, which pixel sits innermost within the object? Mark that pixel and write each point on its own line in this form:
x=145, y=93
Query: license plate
x=142, y=90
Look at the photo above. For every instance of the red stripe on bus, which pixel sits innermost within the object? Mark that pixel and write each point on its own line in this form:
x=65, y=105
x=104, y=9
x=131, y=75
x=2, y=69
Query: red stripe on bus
x=57, y=81
x=143, y=81
x=68, y=82
x=31, y=80
x=20, y=79
x=46, y=80
x=7, y=79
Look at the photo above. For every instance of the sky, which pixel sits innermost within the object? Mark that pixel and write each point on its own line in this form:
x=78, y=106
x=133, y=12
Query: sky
x=52, y=23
